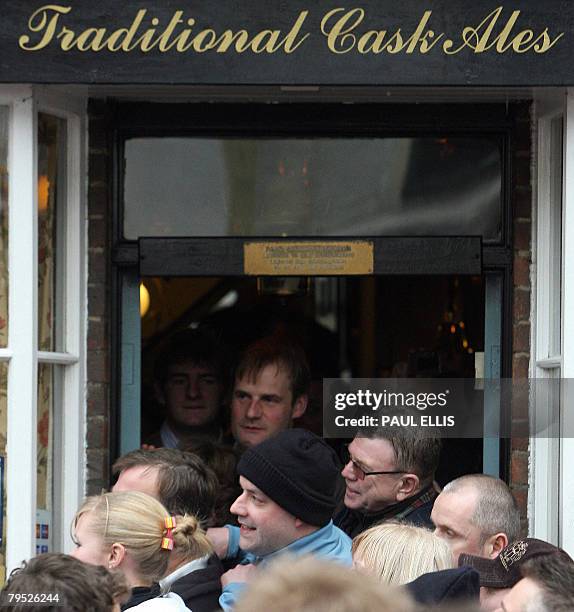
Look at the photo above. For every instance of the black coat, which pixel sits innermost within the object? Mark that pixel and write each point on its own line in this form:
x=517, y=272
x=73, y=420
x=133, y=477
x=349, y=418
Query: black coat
x=200, y=590
x=353, y=522
x=141, y=594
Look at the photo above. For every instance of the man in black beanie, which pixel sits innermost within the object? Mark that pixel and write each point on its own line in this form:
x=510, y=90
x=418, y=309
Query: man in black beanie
x=289, y=494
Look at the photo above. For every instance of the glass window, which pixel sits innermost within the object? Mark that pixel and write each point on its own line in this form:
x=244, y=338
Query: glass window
x=309, y=187
x=555, y=231
x=3, y=440
x=49, y=397
x=3, y=226
x=51, y=198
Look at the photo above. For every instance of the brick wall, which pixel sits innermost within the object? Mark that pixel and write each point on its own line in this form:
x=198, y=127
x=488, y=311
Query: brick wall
x=522, y=228
x=98, y=346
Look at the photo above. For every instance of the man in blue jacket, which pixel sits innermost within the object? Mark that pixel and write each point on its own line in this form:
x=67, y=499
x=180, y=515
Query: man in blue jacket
x=289, y=487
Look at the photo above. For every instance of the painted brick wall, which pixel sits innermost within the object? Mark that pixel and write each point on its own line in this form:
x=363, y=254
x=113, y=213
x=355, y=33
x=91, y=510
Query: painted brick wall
x=98, y=348
x=522, y=228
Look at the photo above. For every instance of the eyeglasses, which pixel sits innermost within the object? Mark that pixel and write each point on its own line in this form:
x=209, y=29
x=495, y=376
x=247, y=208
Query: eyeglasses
x=359, y=471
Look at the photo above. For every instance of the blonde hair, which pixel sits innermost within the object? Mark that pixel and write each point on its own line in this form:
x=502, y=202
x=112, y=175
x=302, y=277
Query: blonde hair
x=309, y=584
x=397, y=553
x=137, y=521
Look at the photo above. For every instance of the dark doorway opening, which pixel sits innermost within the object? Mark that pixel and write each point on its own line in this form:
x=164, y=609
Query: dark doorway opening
x=375, y=326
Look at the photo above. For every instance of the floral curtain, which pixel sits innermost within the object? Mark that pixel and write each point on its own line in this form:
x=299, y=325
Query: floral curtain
x=49, y=146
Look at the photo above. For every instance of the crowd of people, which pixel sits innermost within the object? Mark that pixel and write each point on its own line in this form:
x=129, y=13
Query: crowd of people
x=264, y=516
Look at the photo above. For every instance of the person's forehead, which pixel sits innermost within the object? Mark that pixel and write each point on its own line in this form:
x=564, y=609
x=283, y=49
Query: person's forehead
x=372, y=451
x=272, y=376
x=142, y=478
x=454, y=509
x=247, y=485
x=148, y=472
x=190, y=367
x=83, y=526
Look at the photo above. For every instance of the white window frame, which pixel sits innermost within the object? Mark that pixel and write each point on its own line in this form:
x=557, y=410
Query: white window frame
x=22, y=355
x=543, y=503
x=567, y=444
x=551, y=503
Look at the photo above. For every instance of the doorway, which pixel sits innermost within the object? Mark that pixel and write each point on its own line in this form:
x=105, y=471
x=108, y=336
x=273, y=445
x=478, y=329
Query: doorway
x=369, y=326
x=426, y=187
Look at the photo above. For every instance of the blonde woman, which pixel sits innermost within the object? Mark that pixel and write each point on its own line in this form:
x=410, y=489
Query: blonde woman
x=397, y=553
x=133, y=533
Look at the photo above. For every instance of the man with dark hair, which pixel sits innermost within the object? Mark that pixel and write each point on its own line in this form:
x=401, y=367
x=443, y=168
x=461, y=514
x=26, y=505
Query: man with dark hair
x=184, y=484
x=499, y=575
x=179, y=480
x=547, y=586
x=271, y=389
x=476, y=514
x=389, y=477
x=64, y=583
x=289, y=495
x=190, y=379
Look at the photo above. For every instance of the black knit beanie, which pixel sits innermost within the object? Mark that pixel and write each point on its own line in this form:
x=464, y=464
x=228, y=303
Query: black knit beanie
x=298, y=471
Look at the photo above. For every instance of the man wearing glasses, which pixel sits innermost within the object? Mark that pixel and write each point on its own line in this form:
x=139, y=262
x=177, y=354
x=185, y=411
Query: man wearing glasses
x=388, y=478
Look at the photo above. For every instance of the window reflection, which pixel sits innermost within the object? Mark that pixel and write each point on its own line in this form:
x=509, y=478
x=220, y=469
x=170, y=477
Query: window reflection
x=49, y=396
x=3, y=226
x=307, y=187
x=51, y=182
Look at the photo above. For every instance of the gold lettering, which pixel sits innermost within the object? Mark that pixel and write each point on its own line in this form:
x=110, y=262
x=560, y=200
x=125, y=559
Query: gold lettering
x=503, y=36
x=339, y=37
x=395, y=44
x=416, y=36
x=199, y=43
x=470, y=33
x=115, y=42
x=547, y=42
x=91, y=39
x=67, y=37
x=340, y=26
x=480, y=38
x=366, y=45
x=39, y=21
x=228, y=37
x=145, y=42
x=266, y=40
x=520, y=42
x=290, y=42
x=427, y=45
x=164, y=44
x=181, y=39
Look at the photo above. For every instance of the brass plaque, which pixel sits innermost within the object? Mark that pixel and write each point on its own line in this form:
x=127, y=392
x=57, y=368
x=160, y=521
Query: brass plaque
x=308, y=258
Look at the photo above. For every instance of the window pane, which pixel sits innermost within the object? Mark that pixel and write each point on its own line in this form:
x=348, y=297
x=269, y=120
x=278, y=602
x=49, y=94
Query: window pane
x=51, y=198
x=3, y=438
x=555, y=273
x=309, y=187
x=3, y=226
x=49, y=426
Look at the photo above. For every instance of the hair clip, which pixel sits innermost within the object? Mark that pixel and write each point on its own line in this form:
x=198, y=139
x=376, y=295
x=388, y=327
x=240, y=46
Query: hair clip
x=167, y=540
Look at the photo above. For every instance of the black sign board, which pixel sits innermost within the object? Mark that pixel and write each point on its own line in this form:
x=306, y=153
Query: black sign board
x=299, y=42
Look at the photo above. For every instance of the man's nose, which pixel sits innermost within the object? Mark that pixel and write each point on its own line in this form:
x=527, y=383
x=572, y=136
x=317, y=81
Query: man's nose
x=238, y=507
x=348, y=471
x=254, y=409
x=193, y=389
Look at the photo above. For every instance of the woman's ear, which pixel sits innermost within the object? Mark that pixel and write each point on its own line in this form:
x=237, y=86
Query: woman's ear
x=116, y=556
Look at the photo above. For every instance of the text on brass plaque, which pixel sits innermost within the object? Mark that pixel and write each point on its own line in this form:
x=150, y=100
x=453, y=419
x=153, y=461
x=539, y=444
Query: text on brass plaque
x=308, y=258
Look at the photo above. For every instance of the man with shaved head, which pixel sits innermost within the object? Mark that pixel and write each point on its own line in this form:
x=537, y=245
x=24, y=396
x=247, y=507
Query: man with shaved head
x=476, y=514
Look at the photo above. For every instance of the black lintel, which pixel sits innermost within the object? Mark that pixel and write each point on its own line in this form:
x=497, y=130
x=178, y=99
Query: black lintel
x=392, y=255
